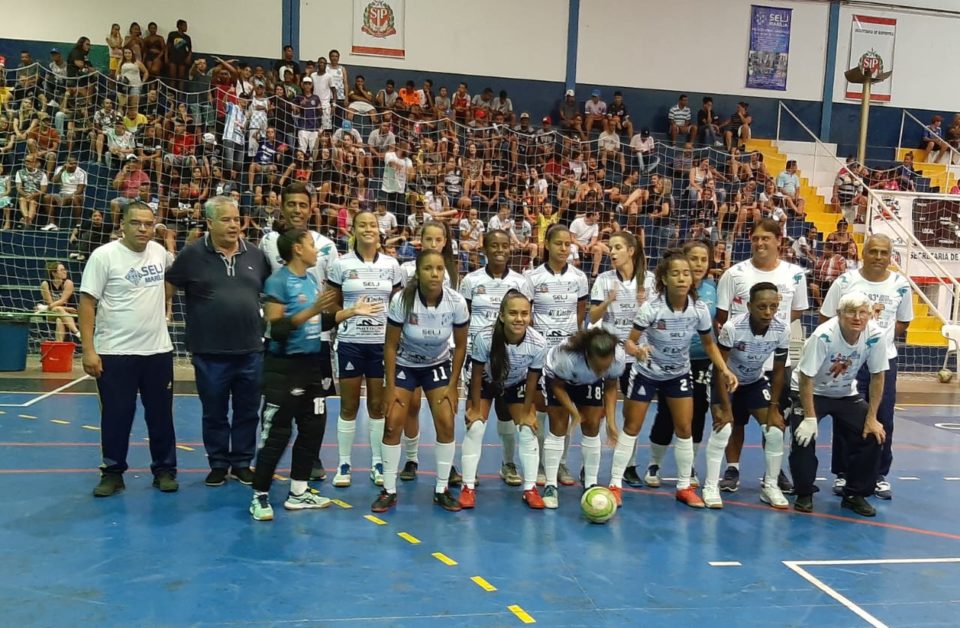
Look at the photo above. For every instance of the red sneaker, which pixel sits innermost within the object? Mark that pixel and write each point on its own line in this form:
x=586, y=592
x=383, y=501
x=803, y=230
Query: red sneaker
x=689, y=497
x=618, y=493
x=468, y=497
x=532, y=499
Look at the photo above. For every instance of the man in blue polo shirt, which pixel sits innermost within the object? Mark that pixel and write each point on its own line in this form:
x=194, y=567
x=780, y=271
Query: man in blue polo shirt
x=222, y=279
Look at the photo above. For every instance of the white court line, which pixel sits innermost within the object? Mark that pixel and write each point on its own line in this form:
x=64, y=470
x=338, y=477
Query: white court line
x=45, y=395
x=727, y=563
x=797, y=566
x=908, y=477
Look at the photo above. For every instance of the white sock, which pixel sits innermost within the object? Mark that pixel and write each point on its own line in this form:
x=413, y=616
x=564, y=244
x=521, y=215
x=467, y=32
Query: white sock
x=529, y=457
x=683, y=454
x=543, y=423
x=590, y=450
x=715, y=448
x=444, y=453
x=376, y=439
x=772, y=454
x=552, y=450
x=391, y=462
x=696, y=451
x=298, y=487
x=657, y=452
x=470, y=451
x=507, y=431
x=346, y=430
x=621, y=456
x=566, y=448
x=735, y=465
x=411, y=448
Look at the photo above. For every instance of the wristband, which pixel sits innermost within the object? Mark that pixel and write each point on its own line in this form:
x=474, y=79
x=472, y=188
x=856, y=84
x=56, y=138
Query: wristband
x=811, y=418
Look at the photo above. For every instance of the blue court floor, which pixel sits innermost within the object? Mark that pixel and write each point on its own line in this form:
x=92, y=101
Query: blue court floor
x=197, y=558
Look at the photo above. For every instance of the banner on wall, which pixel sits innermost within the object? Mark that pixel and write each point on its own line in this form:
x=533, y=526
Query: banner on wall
x=769, y=47
x=872, y=43
x=378, y=28
x=935, y=222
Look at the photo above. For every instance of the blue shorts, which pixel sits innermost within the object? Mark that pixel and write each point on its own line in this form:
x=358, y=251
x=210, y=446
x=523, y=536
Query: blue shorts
x=510, y=394
x=356, y=359
x=426, y=377
x=642, y=388
x=584, y=395
x=625, y=380
x=749, y=397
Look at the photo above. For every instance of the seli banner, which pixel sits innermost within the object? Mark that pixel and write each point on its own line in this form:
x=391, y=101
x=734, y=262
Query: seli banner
x=769, y=47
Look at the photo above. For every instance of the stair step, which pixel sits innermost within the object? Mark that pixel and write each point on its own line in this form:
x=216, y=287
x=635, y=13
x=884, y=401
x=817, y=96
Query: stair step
x=926, y=338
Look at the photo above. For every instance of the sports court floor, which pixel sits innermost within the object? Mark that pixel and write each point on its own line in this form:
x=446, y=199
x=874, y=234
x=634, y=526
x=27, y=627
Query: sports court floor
x=197, y=558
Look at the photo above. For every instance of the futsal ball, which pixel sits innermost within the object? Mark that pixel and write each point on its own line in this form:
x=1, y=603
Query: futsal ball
x=945, y=376
x=598, y=504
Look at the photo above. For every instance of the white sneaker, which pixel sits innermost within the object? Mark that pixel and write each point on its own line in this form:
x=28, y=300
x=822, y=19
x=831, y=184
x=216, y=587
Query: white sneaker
x=50, y=227
x=376, y=475
x=652, y=477
x=774, y=496
x=551, y=499
x=694, y=480
x=342, y=478
x=308, y=500
x=711, y=497
x=260, y=507
x=838, y=485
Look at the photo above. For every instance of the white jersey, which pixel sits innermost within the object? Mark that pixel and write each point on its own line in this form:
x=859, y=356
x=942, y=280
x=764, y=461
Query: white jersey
x=668, y=334
x=572, y=368
x=356, y=278
x=733, y=290
x=427, y=331
x=131, y=302
x=749, y=351
x=833, y=364
x=407, y=269
x=555, y=300
x=484, y=293
x=619, y=316
x=529, y=355
x=891, y=298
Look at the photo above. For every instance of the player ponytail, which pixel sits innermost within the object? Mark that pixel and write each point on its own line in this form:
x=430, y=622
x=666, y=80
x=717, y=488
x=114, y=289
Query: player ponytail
x=639, y=256
x=596, y=342
x=499, y=360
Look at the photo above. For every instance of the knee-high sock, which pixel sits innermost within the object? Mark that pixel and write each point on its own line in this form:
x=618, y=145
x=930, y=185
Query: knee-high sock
x=346, y=430
x=715, y=449
x=552, y=450
x=590, y=450
x=376, y=439
x=391, y=463
x=696, y=450
x=529, y=457
x=566, y=447
x=683, y=454
x=657, y=452
x=621, y=457
x=444, y=453
x=411, y=448
x=470, y=451
x=772, y=454
x=507, y=431
x=543, y=423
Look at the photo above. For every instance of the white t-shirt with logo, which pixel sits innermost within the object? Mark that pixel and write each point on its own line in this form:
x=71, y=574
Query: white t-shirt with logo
x=891, y=298
x=375, y=281
x=426, y=330
x=749, y=351
x=70, y=181
x=833, y=364
x=555, y=300
x=395, y=173
x=583, y=233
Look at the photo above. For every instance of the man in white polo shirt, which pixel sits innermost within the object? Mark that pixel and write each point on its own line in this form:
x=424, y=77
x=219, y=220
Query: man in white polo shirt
x=127, y=348
x=586, y=235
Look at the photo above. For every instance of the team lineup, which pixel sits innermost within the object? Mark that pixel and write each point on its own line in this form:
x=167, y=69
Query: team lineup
x=543, y=349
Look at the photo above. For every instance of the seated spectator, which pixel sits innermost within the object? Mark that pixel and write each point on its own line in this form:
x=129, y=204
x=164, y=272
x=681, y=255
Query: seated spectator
x=570, y=119
x=481, y=106
x=619, y=116
x=841, y=236
x=89, y=234
x=128, y=181
x=522, y=241
x=608, y=145
x=409, y=98
x=788, y=185
x=359, y=98
x=471, y=236
x=121, y=144
x=595, y=110
x=6, y=199
x=906, y=175
x=181, y=148
x=267, y=160
x=31, y=187
x=953, y=140
x=719, y=260
x=386, y=99
x=736, y=131
x=828, y=269
x=503, y=104
x=387, y=221
x=644, y=151
x=57, y=293
x=708, y=121
x=852, y=256
x=43, y=142
x=758, y=167
x=681, y=122
x=71, y=181
x=266, y=213
x=460, y=103
x=807, y=248
x=932, y=140
x=586, y=235
x=683, y=162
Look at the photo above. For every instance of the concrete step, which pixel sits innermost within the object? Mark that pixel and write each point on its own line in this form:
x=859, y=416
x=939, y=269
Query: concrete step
x=925, y=338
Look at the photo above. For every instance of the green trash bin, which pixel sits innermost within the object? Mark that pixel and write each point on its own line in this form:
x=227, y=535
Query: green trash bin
x=14, y=334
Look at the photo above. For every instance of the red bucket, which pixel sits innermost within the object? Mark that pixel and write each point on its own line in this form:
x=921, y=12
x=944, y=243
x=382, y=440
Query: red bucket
x=56, y=357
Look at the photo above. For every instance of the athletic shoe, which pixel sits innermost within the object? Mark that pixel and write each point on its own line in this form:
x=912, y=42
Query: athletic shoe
x=532, y=499
x=384, y=502
x=730, y=481
x=446, y=501
x=689, y=497
x=617, y=493
x=652, y=477
x=216, y=477
x=551, y=498
x=342, y=478
x=784, y=483
x=583, y=478
x=773, y=496
x=631, y=477
x=468, y=497
x=883, y=489
x=838, y=485
x=541, y=476
x=318, y=473
x=711, y=497
x=166, y=482
x=694, y=480
x=409, y=471
x=454, y=479
x=859, y=505
x=242, y=474
x=307, y=500
x=110, y=484
x=509, y=474
x=803, y=503
x=376, y=474
x=260, y=507
x=50, y=227
x=564, y=476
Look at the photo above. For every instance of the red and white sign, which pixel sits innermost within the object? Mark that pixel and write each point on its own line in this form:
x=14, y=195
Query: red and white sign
x=378, y=28
x=872, y=43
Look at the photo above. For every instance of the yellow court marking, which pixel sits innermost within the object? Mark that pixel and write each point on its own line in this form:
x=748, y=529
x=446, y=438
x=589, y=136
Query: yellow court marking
x=376, y=520
x=60, y=421
x=92, y=428
x=409, y=538
x=521, y=614
x=26, y=416
x=3, y=411
x=341, y=503
x=483, y=584
x=277, y=476
x=184, y=447
x=443, y=558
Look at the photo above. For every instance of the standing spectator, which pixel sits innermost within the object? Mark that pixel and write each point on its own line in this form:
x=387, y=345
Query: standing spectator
x=178, y=55
x=737, y=129
x=339, y=79
x=681, y=121
x=222, y=279
x=153, y=47
x=848, y=191
x=72, y=181
x=79, y=69
x=286, y=64
x=709, y=122
x=127, y=348
x=307, y=110
x=397, y=167
x=595, y=109
x=788, y=186
x=234, y=137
